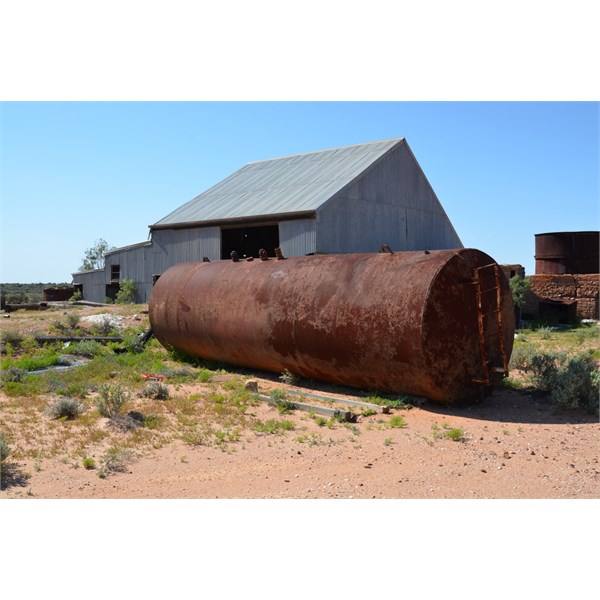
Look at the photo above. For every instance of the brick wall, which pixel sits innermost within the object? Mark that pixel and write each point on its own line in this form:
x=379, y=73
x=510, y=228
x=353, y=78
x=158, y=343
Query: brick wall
x=565, y=288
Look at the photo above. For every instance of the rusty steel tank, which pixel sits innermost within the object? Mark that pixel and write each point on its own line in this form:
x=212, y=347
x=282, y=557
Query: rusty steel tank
x=438, y=324
x=567, y=252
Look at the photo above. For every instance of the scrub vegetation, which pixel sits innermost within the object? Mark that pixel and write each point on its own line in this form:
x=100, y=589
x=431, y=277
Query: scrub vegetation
x=559, y=363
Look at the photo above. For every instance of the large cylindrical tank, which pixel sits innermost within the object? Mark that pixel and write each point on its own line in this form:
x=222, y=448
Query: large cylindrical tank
x=567, y=252
x=438, y=324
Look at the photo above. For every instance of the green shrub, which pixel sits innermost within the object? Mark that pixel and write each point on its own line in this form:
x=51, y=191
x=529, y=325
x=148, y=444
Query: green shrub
x=544, y=367
x=132, y=420
x=571, y=381
x=89, y=463
x=88, y=348
x=456, y=434
x=521, y=356
x=519, y=288
x=156, y=390
x=126, y=293
x=4, y=448
x=278, y=394
x=13, y=374
x=111, y=400
x=397, y=402
x=65, y=408
x=114, y=460
x=14, y=338
x=153, y=421
x=285, y=406
x=576, y=383
x=134, y=343
x=396, y=421
x=273, y=426
x=204, y=375
x=545, y=332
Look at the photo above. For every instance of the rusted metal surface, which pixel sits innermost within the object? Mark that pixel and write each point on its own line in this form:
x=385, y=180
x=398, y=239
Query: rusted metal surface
x=568, y=252
x=405, y=322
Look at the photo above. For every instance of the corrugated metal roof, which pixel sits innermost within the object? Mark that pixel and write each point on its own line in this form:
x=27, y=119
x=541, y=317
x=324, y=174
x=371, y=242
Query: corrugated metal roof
x=291, y=184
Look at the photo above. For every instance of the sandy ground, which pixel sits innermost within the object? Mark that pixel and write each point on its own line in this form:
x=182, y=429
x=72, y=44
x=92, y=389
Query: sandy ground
x=515, y=445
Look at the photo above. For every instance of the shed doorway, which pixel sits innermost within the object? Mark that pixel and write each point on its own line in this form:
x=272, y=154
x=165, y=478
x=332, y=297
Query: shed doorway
x=247, y=241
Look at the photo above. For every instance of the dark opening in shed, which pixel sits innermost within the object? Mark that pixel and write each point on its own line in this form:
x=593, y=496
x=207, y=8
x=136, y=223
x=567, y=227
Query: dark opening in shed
x=247, y=241
x=112, y=289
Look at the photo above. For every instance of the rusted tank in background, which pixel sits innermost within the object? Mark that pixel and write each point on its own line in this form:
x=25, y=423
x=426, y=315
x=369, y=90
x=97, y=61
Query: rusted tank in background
x=567, y=252
x=438, y=324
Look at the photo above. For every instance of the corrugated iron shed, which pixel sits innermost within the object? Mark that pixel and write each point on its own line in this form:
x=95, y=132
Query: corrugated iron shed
x=280, y=186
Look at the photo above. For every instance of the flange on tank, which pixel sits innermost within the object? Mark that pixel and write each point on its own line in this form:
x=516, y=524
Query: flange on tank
x=438, y=324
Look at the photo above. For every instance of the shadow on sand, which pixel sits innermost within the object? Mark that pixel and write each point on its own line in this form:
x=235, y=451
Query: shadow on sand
x=11, y=476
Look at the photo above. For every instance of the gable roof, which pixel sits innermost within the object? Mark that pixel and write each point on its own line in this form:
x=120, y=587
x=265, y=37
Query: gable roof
x=280, y=186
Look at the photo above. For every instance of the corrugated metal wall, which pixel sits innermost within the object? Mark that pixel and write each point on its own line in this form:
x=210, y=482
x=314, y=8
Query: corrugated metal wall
x=132, y=265
x=391, y=203
x=172, y=246
x=94, y=286
x=298, y=237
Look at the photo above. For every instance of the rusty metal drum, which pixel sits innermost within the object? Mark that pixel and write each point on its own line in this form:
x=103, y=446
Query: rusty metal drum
x=567, y=252
x=438, y=324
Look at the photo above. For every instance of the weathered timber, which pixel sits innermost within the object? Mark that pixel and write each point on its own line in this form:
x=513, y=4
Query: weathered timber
x=382, y=409
x=89, y=303
x=77, y=338
x=342, y=415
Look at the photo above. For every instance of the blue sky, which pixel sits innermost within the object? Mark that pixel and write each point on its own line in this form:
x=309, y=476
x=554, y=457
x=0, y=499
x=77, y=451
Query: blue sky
x=74, y=172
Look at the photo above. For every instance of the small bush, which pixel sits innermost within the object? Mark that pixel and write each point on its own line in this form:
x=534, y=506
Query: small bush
x=114, y=460
x=134, y=344
x=156, y=390
x=65, y=408
x=14, y=338
x=4, y=448
x=132, y=420
x=111, y=400
x=89, y=463
x=273, y=426
x=571, y=381
x=397, y=402
x=521, y=357
x=126, y=293
x=104, y=327
x=88, y=348
x=519, y=288
x=545, y=332
x=285, y=406
x=153, y=421
x=456, y=434
x=289, y=378
x=14, y=374
x=204, y=375
x=72, y=320
x=278, y=394
x=396, y=421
